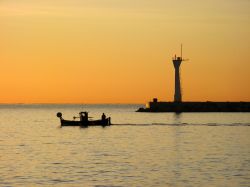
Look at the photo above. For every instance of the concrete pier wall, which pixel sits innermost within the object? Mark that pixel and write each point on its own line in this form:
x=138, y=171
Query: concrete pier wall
x=196, y=107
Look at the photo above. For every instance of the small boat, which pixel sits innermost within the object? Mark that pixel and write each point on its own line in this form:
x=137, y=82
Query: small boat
x=84, y=123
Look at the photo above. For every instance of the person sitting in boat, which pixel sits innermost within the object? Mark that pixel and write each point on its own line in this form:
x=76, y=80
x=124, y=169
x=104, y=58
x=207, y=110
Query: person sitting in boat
x=103, y=117
x=81, y=116
x=86, y=117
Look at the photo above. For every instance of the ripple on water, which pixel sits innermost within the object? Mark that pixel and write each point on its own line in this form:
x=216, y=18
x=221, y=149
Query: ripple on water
x=141, y=150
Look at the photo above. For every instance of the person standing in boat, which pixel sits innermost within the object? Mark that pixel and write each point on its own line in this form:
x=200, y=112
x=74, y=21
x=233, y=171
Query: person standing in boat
x=103, y=117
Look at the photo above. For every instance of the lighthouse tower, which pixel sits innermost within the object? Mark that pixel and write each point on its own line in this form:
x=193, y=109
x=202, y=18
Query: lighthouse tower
x=177, y=63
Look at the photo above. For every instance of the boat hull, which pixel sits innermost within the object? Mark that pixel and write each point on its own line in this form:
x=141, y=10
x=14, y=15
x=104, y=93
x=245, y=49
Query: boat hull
x=105, y=122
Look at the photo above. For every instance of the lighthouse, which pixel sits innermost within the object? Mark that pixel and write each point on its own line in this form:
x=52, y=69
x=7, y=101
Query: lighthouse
x=177, y=63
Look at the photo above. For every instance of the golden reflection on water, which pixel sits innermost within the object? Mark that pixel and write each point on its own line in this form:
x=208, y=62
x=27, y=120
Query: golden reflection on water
x=35, y=151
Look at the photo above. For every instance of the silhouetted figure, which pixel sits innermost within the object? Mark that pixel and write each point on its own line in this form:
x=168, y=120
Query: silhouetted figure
x=103, y=117
x=86, y=119
x=86, y=116
x=81, y=116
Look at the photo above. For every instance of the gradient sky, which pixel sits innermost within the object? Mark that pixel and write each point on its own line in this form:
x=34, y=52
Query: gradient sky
x=120, y=51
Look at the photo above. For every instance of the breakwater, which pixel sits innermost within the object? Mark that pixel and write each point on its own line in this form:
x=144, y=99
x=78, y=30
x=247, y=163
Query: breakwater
x=196, y=107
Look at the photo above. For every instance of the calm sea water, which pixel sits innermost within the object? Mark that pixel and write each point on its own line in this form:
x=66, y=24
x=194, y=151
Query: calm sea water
x=140, y=149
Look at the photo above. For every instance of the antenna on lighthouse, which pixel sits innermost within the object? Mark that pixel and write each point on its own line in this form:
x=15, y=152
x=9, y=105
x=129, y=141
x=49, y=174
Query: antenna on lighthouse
x=181, y=51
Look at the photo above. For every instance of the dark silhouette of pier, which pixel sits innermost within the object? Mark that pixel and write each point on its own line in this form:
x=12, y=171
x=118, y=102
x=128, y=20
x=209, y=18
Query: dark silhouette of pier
x=208, y=106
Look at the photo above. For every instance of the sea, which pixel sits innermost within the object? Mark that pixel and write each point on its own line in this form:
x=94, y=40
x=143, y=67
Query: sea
x=139, y=149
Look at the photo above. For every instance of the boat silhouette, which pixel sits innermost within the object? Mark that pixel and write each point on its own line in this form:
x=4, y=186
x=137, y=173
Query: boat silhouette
x=84, y=120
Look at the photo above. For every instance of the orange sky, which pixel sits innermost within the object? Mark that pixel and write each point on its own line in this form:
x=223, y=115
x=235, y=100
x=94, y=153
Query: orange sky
x=110, y=51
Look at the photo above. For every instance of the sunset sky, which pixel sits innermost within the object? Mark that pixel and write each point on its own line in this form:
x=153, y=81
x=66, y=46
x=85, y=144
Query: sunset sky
x=120, y=51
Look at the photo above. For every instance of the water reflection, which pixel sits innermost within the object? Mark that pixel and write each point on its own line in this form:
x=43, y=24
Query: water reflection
x=34, y=151
x=177, y=136
x=177, y=118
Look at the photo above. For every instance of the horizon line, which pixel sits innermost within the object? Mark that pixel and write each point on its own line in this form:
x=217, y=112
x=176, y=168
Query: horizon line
x=62, y=103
